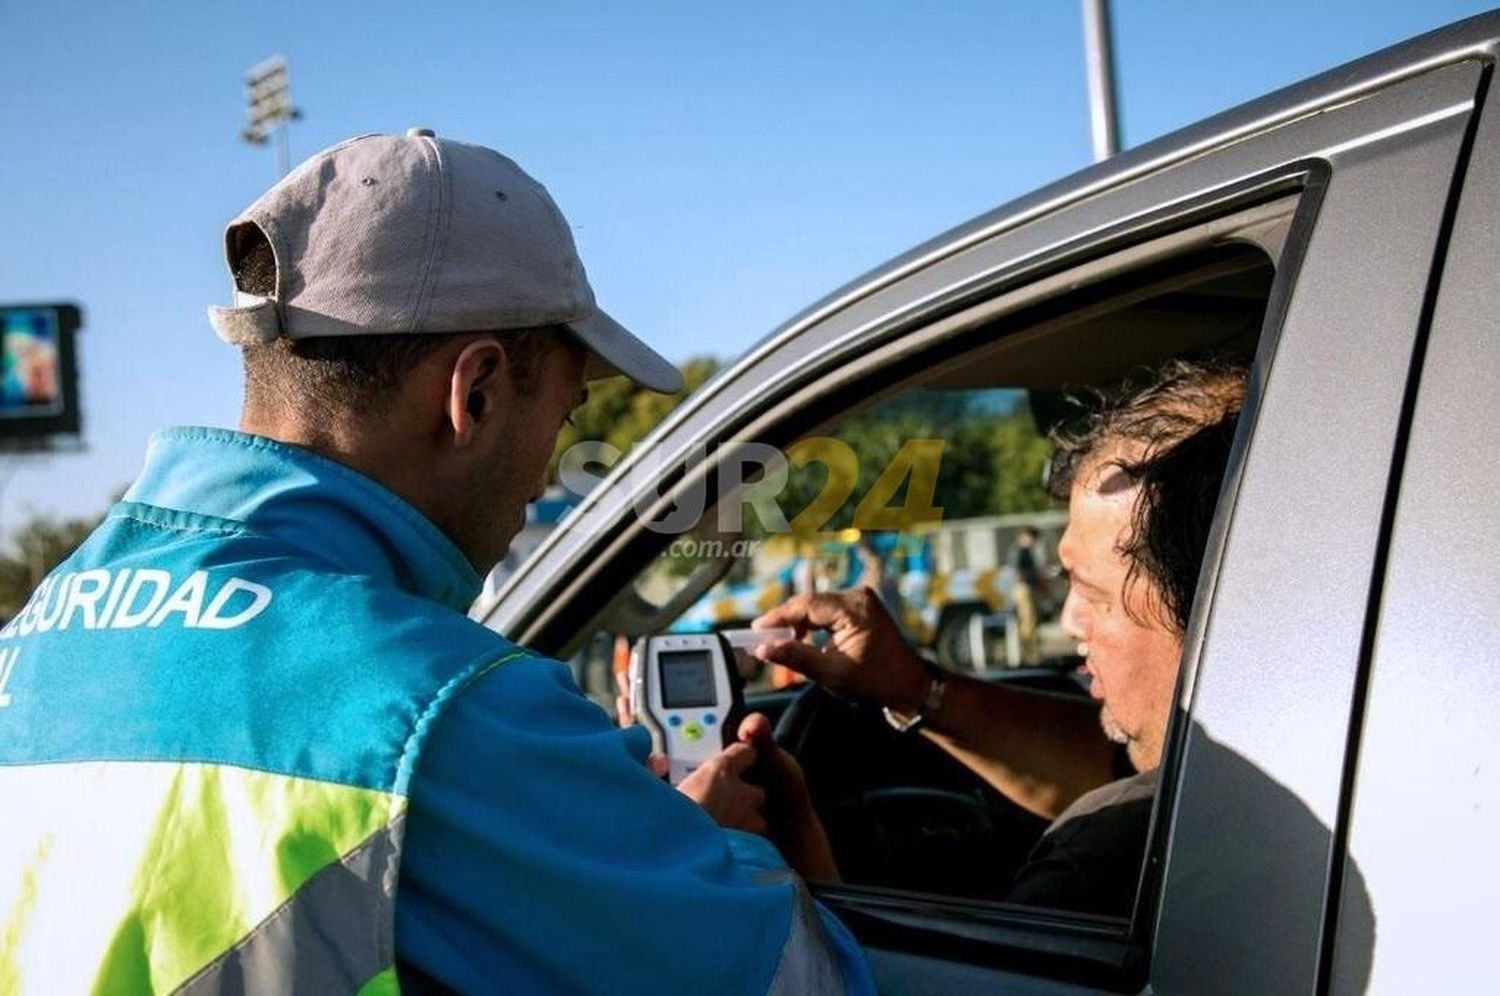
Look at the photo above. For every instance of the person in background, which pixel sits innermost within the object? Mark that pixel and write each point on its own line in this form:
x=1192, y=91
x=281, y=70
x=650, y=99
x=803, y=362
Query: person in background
x=1026, y=583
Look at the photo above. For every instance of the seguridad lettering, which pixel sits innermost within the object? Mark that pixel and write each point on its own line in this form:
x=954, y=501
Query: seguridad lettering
x=132, y=597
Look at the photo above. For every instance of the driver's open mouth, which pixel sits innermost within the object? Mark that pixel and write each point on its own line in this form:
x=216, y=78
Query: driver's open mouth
x=1083, y=672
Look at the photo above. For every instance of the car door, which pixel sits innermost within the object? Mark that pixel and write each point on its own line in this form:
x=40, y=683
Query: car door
x=1250, y=892
x=1245, y=878
x=1422, y=775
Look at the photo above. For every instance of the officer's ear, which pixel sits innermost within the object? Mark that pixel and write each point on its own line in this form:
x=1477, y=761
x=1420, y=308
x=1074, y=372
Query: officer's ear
x=478, y=386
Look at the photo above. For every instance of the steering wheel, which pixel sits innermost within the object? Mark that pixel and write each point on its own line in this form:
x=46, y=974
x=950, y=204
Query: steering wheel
x=793, y=728
x=899, y=811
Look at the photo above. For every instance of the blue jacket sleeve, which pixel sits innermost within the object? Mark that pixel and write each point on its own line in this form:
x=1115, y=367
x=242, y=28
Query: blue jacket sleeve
x=542, y=856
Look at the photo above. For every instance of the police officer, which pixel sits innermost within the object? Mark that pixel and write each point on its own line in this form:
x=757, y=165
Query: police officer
x=253, y=743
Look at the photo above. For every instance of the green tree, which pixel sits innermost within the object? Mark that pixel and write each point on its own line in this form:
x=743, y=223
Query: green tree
x=992, y=456
x=1020, y=460
x=621, y=414
x=34, y=550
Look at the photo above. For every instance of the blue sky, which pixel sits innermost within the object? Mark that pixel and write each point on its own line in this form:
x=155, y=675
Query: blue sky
x=722, y=165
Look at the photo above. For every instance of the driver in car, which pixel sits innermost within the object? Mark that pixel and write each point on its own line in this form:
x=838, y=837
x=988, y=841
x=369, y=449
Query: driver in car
x=1141, y=477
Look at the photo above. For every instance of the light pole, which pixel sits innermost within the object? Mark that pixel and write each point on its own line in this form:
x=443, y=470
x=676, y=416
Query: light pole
x=1099, y=52
x=268, y=89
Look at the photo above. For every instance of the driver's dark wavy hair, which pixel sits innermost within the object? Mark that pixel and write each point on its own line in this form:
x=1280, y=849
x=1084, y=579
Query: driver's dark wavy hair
x=1167, y=432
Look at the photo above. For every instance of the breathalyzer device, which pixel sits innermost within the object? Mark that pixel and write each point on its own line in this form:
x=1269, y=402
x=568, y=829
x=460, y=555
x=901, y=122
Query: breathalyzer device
x=686, y=689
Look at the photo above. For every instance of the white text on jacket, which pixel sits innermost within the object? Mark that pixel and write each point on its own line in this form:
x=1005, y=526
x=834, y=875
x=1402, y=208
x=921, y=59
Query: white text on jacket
x=145, y=596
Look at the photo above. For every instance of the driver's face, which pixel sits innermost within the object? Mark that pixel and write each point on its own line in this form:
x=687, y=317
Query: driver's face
x=1131, y=657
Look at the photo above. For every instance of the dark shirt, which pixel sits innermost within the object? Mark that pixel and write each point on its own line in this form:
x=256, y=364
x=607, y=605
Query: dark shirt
x=1023, y=559
x=1089, y=860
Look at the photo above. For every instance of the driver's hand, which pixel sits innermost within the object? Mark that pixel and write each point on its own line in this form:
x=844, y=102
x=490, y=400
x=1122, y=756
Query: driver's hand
x=865, y=657
x=719, y=786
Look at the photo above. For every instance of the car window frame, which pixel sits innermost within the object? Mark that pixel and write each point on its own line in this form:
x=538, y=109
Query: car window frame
x=1071, y=947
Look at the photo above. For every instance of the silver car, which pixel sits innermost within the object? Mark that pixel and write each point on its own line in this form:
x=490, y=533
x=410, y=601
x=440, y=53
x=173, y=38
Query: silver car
x=1328, y=812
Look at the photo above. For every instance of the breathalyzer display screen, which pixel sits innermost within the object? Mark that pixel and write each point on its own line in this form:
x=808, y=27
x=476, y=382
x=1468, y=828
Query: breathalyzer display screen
x=687, y=678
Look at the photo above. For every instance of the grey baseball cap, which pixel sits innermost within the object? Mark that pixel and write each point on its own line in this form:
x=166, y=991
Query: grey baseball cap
x=415, y=233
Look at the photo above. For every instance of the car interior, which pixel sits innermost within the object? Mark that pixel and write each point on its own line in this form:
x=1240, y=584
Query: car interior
x=903, y=816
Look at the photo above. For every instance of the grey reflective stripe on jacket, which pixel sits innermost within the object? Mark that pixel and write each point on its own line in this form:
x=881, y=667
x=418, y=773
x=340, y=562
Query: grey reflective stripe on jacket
x=331, y=936
x=808, y=963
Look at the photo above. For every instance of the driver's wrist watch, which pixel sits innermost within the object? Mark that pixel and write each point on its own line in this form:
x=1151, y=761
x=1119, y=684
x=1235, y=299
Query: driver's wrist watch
x=937, y=685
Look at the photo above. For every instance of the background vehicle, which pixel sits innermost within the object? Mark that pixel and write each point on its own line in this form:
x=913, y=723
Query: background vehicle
x=947, y=584
x=1325, y=813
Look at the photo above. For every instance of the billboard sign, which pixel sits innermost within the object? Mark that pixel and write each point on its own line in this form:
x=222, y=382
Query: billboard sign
x=38, y=371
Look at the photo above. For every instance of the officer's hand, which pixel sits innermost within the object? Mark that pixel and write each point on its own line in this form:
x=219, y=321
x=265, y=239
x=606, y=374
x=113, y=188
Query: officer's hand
x=792, y=822
x=719, y=786
x=865, y=658
x=624, y=715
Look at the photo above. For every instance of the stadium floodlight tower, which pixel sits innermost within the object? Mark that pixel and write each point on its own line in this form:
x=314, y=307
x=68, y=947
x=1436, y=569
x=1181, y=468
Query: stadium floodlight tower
x=268, y=88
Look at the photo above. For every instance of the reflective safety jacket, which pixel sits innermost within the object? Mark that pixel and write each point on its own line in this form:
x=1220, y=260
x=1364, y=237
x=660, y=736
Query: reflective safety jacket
x=211, y=719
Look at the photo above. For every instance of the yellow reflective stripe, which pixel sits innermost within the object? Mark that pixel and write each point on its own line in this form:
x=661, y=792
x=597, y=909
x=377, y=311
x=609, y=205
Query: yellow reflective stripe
x=19, y=916
x=152, y=870
x=492, y=665
x=383, y=984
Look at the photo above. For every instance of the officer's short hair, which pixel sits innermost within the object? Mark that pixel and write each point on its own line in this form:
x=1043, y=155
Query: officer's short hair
x=324, y=377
